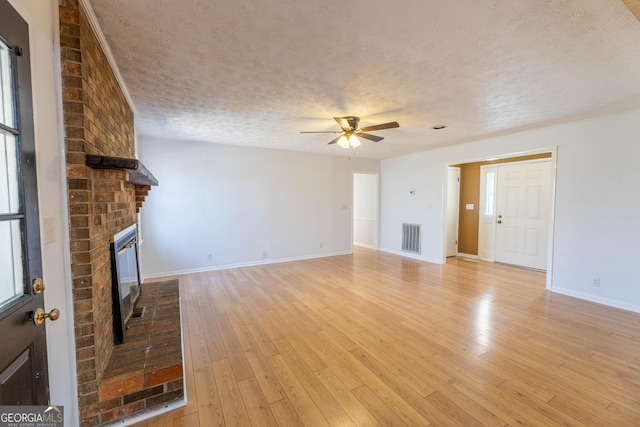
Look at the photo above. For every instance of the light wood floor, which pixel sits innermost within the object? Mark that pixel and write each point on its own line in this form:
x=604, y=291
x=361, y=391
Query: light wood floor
x=378, y=340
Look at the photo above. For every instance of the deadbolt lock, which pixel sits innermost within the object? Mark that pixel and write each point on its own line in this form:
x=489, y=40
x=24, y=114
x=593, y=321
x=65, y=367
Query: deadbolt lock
x=40, y=315
x=38, y=285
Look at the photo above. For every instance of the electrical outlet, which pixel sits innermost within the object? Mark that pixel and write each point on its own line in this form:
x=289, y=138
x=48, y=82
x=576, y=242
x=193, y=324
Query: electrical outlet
x=265, y=255
x=209, y=257
x=596, y=282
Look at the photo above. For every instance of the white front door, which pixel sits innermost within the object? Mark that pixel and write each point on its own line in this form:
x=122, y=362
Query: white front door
x=522, y=220
x=453, y=204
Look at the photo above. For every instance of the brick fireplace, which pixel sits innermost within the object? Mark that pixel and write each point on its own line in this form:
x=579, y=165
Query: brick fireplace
x=98, y=122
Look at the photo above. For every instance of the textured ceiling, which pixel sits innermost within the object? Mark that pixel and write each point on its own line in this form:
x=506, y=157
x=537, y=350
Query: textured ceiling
x=257, y=72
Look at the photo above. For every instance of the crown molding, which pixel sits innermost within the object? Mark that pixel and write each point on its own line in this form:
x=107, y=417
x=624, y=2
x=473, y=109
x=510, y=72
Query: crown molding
x=95, y=25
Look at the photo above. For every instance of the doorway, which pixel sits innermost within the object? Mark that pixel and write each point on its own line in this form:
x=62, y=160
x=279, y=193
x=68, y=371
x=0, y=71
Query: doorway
x=365, y=209
x=477, y=208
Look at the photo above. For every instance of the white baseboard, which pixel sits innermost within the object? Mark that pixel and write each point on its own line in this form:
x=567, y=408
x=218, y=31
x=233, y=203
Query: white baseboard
x=596, y=299
x=238, y=265
x=462, y=254
x=363, y=245
x=412, y=256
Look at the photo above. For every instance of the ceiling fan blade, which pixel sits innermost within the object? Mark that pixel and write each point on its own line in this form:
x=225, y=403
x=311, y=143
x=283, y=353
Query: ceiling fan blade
x=380, y=127
x=322, y=131
x=344, y=123
x=335, y=140
x=369, y=136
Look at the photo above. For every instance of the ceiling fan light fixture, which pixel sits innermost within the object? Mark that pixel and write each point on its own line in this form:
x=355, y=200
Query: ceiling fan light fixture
x=354, y=141
x=352, y=134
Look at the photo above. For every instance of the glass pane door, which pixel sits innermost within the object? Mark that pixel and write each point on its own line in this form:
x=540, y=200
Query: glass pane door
x=11, y=280
x=7, y=115
x=11, y=215
x=9, y=195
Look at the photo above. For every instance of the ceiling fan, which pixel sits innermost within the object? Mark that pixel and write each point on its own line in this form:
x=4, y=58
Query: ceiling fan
x=351, y=132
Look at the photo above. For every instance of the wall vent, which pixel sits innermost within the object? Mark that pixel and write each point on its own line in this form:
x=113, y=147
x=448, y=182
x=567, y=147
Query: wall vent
x=411, y=238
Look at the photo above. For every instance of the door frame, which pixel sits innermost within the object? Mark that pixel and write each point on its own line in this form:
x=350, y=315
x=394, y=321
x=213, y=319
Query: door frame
x=552, y=211
x=457, y=211
x=493, y=229
x=376, y=207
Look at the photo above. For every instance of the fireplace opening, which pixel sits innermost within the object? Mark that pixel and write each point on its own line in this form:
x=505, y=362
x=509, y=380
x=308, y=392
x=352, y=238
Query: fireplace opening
x=125, y=276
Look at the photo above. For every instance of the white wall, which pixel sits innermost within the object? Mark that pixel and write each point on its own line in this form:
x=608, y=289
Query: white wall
x=597, y=202
x=42, y=17
x=364, y=209
x=238, y=203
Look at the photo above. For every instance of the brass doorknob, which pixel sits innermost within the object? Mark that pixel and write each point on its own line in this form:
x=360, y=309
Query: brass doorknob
x=38, y=285
x=499, y=221
x=40, y=315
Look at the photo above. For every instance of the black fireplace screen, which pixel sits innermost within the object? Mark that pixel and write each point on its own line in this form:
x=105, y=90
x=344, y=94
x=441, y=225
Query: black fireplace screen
x=125, y=278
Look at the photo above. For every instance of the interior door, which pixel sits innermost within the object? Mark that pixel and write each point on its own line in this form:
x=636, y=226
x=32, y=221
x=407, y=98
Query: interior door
x=453, y=206
x=522, y=220
x=23, y=352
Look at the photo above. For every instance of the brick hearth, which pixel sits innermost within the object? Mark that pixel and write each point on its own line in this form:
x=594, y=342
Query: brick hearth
x=146, y=371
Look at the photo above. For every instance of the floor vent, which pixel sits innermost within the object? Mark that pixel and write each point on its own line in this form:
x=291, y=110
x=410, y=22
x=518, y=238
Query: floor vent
x=411, y=238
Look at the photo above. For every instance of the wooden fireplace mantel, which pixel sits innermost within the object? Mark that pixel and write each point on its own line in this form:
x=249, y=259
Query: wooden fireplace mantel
x=138, y=173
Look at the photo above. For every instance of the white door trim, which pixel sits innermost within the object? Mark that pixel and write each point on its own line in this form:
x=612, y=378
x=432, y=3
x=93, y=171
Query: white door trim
x=457, y=210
